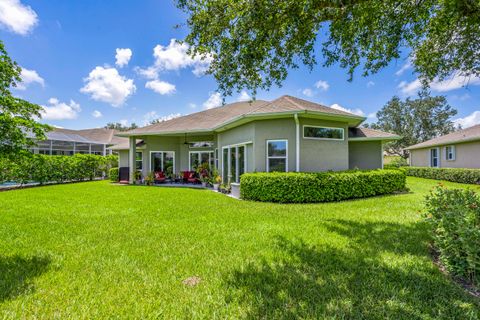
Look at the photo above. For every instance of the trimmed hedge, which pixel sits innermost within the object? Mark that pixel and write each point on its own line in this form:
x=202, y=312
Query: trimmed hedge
x=43, y=168
x=114, y=174
x=470, y=176
x=295, y=187
x=454, y=219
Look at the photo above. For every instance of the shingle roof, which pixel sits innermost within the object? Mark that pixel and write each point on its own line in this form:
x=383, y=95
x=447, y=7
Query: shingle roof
x=213, y=118
x=367, y=133
x=95, y=135
x=465, y=135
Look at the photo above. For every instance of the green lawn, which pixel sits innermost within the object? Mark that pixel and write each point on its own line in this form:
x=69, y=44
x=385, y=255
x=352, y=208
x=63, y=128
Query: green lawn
x=96, y=250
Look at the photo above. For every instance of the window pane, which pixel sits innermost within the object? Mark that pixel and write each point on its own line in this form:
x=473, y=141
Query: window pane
x=233, y=166
x=225, y=165
x=157, y=161
x=279, y=165
x=168, y=159
x=241, y=161
x=204, y=157
x=277, y=148
x=194, y=161
x=323, y=133
x=138, y=160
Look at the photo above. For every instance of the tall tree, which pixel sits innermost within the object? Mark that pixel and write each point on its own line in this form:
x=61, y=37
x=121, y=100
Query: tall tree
x=254, y=43
x=415, y=120
x=19, y=128
x=120, y=127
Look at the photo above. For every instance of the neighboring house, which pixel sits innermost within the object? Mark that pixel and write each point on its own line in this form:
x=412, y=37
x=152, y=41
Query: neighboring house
x=69, y=142
x=287, y=134
x=459, y=149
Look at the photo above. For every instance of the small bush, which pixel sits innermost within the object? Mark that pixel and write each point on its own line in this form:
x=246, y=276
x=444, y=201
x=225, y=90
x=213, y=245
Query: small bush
x=297, y=187
x=470, y=176
x=113, y=174
x=454, y=218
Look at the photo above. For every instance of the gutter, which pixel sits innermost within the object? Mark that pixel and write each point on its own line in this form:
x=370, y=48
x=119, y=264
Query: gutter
x=297, y=142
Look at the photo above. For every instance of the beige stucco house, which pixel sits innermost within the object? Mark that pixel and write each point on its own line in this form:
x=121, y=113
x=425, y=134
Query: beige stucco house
x=460, y=149
x=286, y=134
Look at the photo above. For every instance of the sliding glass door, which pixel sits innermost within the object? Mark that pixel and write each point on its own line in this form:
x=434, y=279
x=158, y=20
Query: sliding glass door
x=200, y=157
x=162, y=161
x=234, y=163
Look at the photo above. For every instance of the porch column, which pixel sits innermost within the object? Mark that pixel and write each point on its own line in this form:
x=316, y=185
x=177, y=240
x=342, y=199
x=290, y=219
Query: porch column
x=132, y=156
x=297, y=143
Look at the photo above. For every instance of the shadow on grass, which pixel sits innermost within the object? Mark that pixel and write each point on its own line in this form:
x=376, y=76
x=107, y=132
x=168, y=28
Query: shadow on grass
x=17, y=273
x=384, y=272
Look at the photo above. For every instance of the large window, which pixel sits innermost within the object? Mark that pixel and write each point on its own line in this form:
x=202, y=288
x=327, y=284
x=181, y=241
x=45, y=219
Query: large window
x=277, y=155
x=139, y=161
x=200, y=157
x=450, y=153
x=163, y=161
x=312, y=132
x=434, y=158
x=234, y=163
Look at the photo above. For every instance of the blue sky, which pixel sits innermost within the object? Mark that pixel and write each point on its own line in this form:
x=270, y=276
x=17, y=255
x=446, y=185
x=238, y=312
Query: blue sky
x=90, y=62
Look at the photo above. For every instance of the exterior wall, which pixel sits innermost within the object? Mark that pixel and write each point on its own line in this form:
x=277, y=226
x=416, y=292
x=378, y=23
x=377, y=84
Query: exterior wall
x=123, y=158
x=365, y=155
x=322, y=155
x=467, y=155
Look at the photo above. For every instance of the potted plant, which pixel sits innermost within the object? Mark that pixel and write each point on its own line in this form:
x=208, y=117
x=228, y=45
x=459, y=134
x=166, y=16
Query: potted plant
x=138, y=177
x=149, y=179
x=204, y=180
x=217, y=181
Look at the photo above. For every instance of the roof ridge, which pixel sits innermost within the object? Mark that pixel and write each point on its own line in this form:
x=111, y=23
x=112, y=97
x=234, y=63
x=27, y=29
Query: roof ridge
x=289, y=98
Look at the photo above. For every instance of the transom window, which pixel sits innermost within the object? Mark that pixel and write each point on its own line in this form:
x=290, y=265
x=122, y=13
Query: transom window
x=313, y=132
x=277, y=155
x=162, y=161
x=201, y=144
x=139, y=161
x=434, y=158
x=450, y=153
x=200, y=157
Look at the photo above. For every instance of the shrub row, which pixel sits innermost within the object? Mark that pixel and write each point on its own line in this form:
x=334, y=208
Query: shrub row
x=319, y=187
x=454, y=218
x=471, y=176
x=43, y=168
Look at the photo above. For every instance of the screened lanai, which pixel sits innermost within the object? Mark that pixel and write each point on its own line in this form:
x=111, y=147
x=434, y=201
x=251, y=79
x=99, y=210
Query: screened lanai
x=65, y=143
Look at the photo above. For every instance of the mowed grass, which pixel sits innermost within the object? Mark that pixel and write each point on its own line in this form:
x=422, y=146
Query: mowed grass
x=97, y=250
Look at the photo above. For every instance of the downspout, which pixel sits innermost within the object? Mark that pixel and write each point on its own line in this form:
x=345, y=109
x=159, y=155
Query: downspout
x=297, y=143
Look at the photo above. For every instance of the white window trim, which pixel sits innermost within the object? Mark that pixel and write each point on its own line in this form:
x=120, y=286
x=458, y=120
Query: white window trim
x=323, y=127
x=229, y=162
x=200, y=151
x=430, y=157
x=276, y=157
x=162, y=151
x=454, y=153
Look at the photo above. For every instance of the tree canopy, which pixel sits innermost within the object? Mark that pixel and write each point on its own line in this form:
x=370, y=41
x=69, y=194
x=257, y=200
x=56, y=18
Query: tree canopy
x=254, y=43
x=120, y=127
x=19, y=128
x=415, y=120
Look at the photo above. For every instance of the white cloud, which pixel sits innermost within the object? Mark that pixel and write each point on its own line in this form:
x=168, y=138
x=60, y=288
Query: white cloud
x=174, y=57
x=214, y=100
x=161, y=87
x=57, y=110
x=97, y=114
x=404, y=68
x=307, y=92
x=192, y=105
x=244, y=96
x=123, y=122
x=449, y=84
x=372, y=115
x=356, y=111
x=17, y=17
x=370, y=84
x=107, y=85
x=28, y=77
x=470, y=120
x=122, y=56
x=322, y=85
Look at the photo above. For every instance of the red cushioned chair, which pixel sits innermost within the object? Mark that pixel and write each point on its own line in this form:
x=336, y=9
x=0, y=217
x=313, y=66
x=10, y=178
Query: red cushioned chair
x=192, y=177
x=159, y=177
